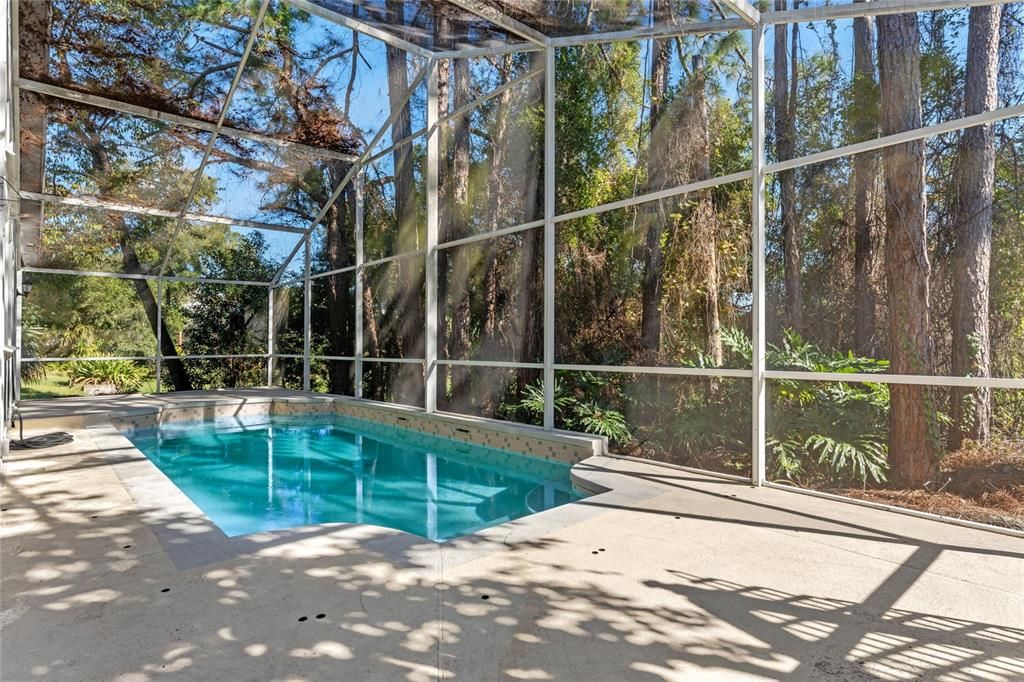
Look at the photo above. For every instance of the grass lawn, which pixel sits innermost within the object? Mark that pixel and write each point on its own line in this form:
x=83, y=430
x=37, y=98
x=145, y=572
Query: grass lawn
x=56, y=385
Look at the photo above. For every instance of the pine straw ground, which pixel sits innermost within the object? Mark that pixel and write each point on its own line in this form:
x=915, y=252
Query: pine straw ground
x=982, y=483
x=977, y=483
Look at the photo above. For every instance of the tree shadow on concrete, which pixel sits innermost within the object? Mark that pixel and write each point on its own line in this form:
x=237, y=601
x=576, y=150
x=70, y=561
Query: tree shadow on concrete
x=93, y=589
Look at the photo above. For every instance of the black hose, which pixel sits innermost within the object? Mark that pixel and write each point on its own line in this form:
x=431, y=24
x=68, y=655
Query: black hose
x=47, y=440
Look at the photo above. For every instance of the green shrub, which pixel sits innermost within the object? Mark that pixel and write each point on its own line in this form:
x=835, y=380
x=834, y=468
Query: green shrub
x=819, y=432
x=125, y=375
x=577, y=407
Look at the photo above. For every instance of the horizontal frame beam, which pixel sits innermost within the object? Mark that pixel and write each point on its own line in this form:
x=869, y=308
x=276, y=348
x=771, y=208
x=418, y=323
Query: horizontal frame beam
x=898, y=138
x=395, y=361
x=899, y=379
x=503, y=364
x=455, y=114
x=488, y=51
x=152, y=358
x=662, y=31
x=707, y=372
x=655, y=196
x=97, y=358
x=722, y=372
x=747, y=12
x=117, y=207
x=874, y=8
x=498, y=18
x=493, y=234
x=173, y=119
x=360, y=26
x=131, y=275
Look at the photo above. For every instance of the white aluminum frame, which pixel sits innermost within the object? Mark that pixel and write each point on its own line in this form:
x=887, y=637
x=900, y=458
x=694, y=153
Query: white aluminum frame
x=198, y=175
x=9, y=209
x=361, y=27
x=747, y=11
x=868, y=9
x=646, y=33
x=759, y=392
x=174, y=119
x=430, y=265
x=748, y=19
x=117, y=207
x=550, y=169
x=496, y=17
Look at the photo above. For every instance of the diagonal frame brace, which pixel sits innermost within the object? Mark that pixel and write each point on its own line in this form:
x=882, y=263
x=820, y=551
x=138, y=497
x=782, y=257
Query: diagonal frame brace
x=197, y=177
x=358, y=165
x=747, y=11
x=499, y=18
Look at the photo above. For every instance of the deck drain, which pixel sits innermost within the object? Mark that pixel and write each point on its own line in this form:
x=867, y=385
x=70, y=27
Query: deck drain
x=601, y=549
x=321, y=616
x=594, y=552
x=485, y=596
x=166, y=589
x=127, y=547
x=303, y=619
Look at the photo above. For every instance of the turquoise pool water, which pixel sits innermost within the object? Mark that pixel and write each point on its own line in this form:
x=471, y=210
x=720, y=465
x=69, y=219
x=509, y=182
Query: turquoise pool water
x=271, y=473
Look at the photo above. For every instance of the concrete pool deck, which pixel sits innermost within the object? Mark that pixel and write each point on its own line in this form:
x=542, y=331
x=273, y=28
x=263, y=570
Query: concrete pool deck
x=108, y=574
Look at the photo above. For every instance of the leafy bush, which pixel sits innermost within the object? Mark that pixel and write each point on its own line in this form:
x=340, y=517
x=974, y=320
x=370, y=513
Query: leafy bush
x=125, y=375
x=577, y=407
x=831, y=431
x=819, y=430
x=31, y=345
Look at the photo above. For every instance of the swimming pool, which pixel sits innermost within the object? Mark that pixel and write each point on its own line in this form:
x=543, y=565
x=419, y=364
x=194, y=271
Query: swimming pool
x=259, y=473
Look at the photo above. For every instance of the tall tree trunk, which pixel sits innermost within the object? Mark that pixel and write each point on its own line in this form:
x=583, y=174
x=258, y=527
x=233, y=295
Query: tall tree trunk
x=374, y=388
x=34, y=56
x=531, y=309
x=865, y=178
x=972, y=255
x=339, y=252
x=458, y=227
x=912, y=436
x=497, y=202
x=444, y=70
x=705, y=215
x=654, y=255
x=784, y=104
x=130, y=262
x=408, y=377
x=91, y=138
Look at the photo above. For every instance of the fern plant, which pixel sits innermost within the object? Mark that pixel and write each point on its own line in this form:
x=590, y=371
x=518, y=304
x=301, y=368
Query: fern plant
x=828, y=433
x=578, y=407
x=819, y=432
